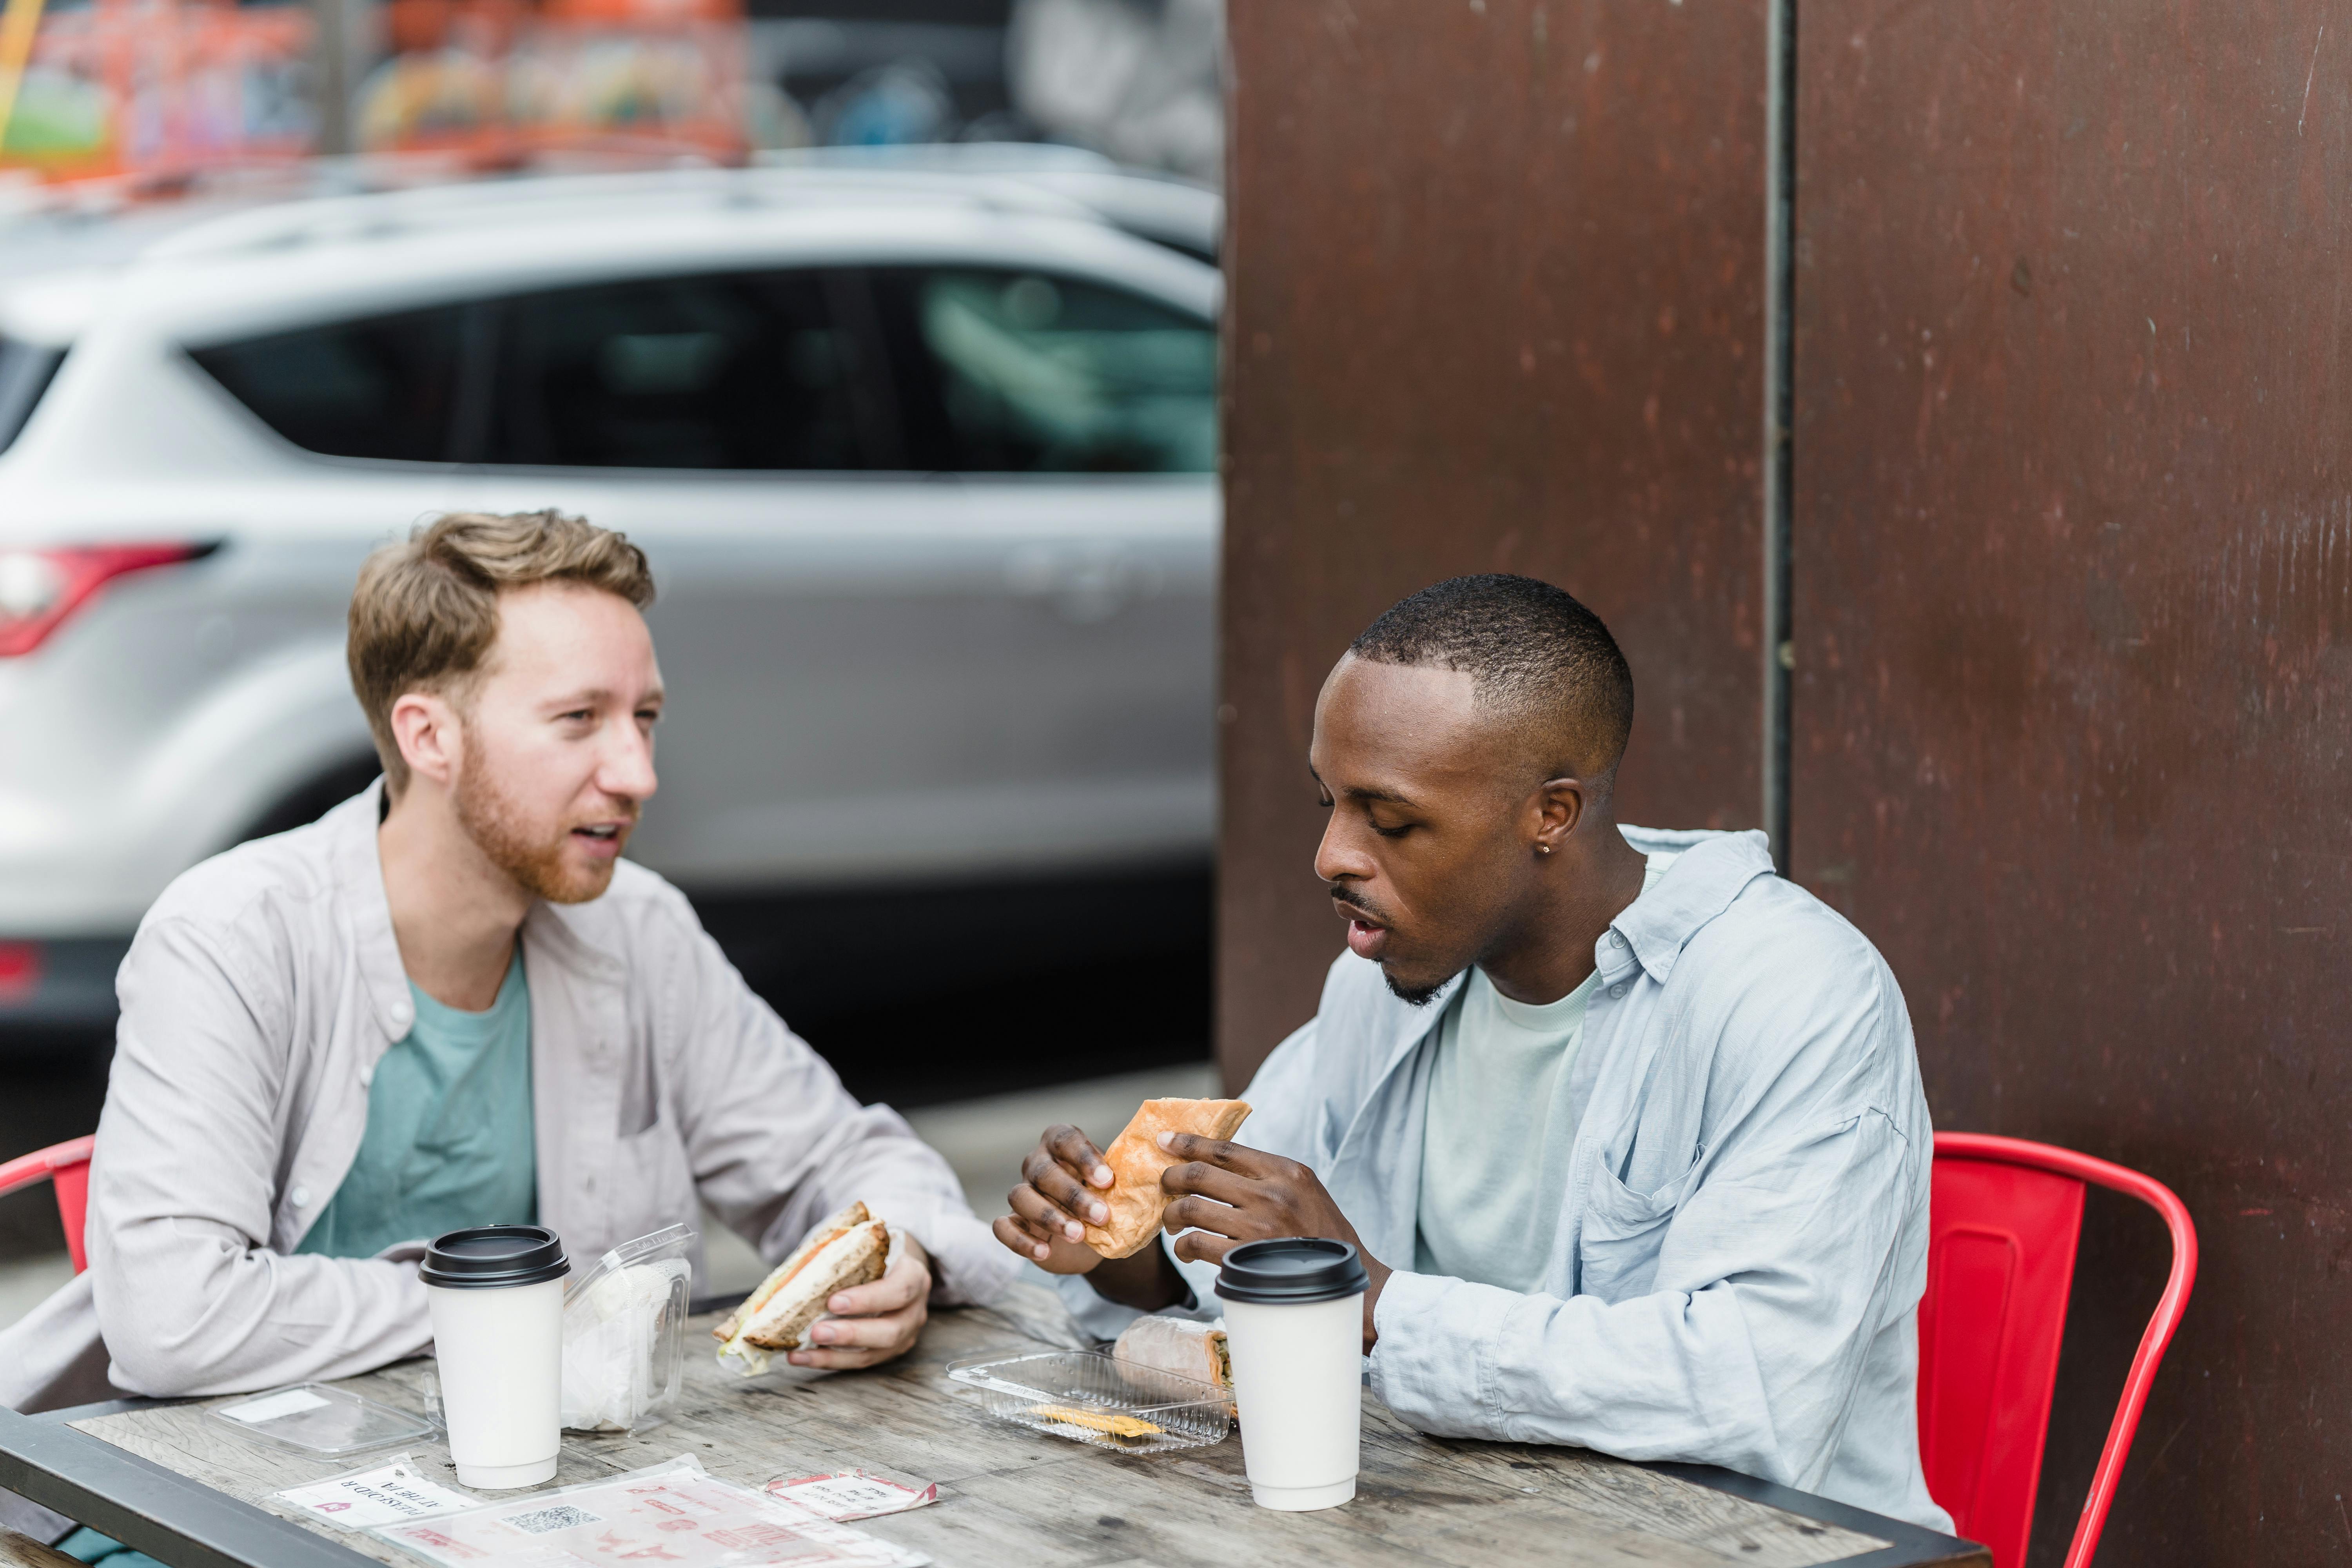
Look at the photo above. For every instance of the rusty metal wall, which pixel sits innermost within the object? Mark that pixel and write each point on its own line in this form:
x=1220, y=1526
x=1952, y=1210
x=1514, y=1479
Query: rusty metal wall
x=2072, y=702
x=1495, y=304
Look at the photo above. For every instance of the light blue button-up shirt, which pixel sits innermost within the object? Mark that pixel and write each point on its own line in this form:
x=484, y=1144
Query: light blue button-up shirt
x=1736, y=1275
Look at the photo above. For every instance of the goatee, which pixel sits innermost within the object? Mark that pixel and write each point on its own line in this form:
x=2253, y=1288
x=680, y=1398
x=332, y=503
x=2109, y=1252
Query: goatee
x=1413, y=996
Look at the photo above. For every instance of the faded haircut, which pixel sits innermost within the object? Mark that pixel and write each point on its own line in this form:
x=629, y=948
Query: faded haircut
x=1534, y=655
x=425, y=612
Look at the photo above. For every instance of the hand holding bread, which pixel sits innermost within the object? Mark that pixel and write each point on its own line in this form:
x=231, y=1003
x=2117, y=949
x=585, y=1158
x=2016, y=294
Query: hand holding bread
x=1078, y=1205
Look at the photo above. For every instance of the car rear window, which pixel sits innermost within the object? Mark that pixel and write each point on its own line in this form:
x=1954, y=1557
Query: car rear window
x=382, y=386
x=26, y=371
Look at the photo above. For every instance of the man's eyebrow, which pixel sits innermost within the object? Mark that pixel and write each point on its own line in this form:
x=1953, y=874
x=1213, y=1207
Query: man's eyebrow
x=595, y=697
x=1362, y=791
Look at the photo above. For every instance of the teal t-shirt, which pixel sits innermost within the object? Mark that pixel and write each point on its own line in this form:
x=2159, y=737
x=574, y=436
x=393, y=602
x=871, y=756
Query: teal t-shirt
x=450, y=1141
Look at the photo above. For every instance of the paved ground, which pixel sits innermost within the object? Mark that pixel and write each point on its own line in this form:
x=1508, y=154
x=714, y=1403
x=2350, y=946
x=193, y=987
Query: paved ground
x=984, y=1140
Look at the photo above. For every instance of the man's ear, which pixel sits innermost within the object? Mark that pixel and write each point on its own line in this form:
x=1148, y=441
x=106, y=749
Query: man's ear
x=1561, y=805
x=431, y=743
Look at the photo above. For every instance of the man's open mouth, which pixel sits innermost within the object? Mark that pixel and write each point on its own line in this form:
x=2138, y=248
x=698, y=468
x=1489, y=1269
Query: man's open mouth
x=602, y=837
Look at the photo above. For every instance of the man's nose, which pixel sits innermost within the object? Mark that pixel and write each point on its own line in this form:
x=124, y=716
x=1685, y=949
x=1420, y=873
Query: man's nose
x=1337, y=860
x=628, y=770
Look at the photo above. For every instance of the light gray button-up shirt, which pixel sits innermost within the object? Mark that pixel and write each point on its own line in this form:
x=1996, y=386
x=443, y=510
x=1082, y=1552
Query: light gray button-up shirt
x=262, y=989
x=1736, y=1275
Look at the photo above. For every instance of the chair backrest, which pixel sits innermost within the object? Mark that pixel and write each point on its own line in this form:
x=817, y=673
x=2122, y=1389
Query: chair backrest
x=66, y=1167
x=2004, y=1220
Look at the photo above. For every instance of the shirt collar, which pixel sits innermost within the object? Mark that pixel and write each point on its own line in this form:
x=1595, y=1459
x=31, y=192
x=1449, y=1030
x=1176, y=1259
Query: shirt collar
x=367, y=913
x=1711, y=870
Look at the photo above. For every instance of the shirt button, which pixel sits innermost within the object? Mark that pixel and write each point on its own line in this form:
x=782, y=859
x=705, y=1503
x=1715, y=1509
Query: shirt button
x=1616, y=991
x=302, y=1196
x=1616, y=939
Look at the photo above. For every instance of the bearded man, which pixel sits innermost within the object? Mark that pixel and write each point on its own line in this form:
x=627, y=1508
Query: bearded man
x=451, y=1002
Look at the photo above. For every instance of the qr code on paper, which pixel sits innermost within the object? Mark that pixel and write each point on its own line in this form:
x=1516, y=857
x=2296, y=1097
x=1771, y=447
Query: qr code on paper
x=562, y=1516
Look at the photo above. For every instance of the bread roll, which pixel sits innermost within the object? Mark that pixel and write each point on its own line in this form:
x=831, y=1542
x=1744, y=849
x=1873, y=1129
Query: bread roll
x=1136, y=1158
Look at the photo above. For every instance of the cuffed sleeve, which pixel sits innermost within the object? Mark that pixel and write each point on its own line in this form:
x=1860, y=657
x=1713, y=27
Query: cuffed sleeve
x=189, y=1297
x=1771, y=1281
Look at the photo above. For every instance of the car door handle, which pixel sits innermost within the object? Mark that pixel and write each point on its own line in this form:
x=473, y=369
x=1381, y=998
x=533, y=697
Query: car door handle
x=1086, y=583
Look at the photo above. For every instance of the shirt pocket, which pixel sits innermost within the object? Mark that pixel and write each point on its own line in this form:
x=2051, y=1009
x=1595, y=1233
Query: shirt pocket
x=1622, y=1234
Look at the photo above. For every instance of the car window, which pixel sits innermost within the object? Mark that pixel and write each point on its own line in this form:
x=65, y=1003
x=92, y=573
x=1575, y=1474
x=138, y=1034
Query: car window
x=1020, y=371
x=727, y=370
x=382, y=386
x=24, y=373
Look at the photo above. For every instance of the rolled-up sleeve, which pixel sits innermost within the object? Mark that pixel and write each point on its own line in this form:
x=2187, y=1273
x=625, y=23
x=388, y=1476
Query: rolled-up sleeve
x=189, y=1297
x=1772, y=1278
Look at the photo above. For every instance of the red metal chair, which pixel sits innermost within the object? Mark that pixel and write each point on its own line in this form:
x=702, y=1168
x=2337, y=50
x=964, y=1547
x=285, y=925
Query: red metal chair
x=2004, y=1221
x=67, y=1167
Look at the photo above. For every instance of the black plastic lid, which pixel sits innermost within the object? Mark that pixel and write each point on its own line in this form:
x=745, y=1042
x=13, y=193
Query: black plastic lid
x=489, y=1256
x=1292, y=1270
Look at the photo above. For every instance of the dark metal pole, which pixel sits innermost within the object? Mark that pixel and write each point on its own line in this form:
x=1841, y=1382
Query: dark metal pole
x=1780, y=409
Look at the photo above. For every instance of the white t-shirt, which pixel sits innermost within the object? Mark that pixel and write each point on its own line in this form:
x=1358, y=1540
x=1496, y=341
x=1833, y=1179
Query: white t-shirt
x=1504, y=1101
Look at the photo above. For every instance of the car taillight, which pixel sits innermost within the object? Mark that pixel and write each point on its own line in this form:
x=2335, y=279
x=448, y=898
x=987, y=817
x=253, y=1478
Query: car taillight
x=39, y=588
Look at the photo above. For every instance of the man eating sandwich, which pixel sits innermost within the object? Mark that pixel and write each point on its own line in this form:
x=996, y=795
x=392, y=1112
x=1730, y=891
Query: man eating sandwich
x=1628, y=1129
x=451, y=1002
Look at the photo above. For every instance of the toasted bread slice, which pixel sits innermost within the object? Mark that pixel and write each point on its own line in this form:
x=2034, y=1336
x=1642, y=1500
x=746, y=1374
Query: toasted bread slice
x=824, y=1232
x=853, y=1257
x=1136, y=1158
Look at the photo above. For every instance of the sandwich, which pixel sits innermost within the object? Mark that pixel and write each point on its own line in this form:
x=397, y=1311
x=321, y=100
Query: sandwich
x=1136, y=1158
x=1168, y=1359
x=851, y=1248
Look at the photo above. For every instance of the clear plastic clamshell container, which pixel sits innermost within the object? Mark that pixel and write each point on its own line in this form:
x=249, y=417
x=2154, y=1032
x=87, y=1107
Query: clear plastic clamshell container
x=624, y=1333
x=1084, y=1396
x=320, y=1419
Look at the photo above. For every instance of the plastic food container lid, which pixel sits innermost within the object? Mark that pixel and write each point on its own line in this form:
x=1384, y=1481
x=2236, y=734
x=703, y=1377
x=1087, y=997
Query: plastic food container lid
x=1292, y=1270
x=320, y=1419
x=489, y=1256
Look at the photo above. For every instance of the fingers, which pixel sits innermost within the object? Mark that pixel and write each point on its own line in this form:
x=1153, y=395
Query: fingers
x=1223, y=1219
x=1209, y=1181
x=845, y=1342
x=906, y=1284
x=1023, y=1238
x=1060, y=1187
x=1232, y=1157
x=1030, y=1205
x=1204, y=1246
x=1076, y=1150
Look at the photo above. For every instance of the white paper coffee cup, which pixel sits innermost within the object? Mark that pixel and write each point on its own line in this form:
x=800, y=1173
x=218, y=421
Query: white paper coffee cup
x=1295, y=1330
x=496, y=1292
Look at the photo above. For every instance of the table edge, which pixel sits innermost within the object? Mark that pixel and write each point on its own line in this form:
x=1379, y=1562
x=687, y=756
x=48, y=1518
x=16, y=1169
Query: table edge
x=1908, y=1545
x=174, y=1519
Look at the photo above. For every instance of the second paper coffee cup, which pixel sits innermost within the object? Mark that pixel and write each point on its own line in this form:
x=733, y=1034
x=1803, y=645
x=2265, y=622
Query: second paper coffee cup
x=496, y=1292
x=1294, y=1329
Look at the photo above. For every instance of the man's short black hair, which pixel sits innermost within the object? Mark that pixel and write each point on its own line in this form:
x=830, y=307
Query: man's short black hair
x=1532, y=652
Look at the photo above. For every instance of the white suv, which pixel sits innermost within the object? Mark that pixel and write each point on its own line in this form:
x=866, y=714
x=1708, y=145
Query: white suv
x=923, y=459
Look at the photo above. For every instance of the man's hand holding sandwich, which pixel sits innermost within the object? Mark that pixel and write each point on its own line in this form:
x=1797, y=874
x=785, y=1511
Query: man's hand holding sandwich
x=1218, y=1195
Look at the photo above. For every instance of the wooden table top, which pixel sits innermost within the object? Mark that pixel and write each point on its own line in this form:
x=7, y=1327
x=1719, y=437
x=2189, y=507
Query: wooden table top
x=1011, y=1496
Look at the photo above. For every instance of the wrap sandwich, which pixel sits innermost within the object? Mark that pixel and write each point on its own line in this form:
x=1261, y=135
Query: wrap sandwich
x=1165, y=1357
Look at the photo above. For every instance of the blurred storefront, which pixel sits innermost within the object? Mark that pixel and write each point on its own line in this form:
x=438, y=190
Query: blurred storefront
x=154, y=91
